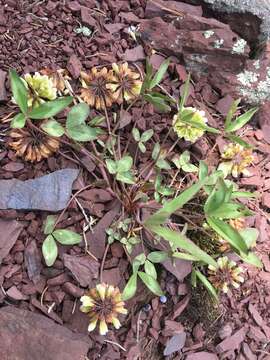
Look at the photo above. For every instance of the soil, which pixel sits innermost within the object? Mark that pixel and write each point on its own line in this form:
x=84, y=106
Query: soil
x=40, y=34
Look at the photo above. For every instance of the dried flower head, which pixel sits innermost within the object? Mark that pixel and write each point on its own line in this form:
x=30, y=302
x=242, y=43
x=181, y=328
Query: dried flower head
x=225, y=275
x=40, y=88
x=126, y=84
x=103, y=304
x=237, y=159
x=188, y=131
x=94, y=91
x=58, y=78
x=32, y=145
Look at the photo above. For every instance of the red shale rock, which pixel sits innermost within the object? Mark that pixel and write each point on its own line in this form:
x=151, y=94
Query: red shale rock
x=202, y=355
x=160, y=8
x=9, y=233
x=83, y=268
x=25, y=335
x=233, y=342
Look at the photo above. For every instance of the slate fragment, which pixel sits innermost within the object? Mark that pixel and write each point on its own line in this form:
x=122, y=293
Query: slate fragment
x=9, y=233
x=83, y=268
x=175, y=343
x=32, y=262
x=97, y=239
x=50, y=192
x=25, y=335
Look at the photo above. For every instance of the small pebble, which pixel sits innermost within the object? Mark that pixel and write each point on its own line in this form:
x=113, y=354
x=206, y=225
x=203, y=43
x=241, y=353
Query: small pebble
x=163, y=299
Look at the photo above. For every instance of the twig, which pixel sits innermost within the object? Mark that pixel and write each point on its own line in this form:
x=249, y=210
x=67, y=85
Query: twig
x=115, y=343
x=42, y=296
x=103, y=262
x=138, y=327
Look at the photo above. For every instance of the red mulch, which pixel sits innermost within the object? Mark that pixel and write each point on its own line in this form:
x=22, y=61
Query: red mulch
x=38, y=34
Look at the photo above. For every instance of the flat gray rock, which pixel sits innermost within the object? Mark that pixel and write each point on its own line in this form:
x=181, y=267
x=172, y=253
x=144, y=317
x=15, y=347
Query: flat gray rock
x=50, y=192
x=259, y=8
x=26, y=335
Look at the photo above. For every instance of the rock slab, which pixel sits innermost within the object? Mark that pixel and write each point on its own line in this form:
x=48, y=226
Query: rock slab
x=50, y=192
x=28, y=336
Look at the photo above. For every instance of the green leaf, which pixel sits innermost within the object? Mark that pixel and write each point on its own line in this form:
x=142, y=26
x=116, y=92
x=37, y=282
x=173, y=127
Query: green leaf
x=160, y=73
x=252, y=259
x=185, y=94
x=189, y=168
x=156, y=151
x=157, y=256
x=159, y=104
x=18, y=121
x=126, y=177
x=111, y=166
x=182, y=242
x=184, y=157
x=97, y=120
x=78, y=115
x=203, y=170
x=130, y=288
x=142, y=147
x=124, y=164
x=83, y=133
x=151, y=283
x=250, y=235
x=136, y=134
x=163, y=164
x=193, y=278
x=167, y=210
x=53, y=128
x=146, y=135
x=148, y=77
x=243, y=194
x=184, y=256
x=188, y=120
x=49, y=224
x=49, y=250
x=231, y=112
x=138, y=261
x=207, y=284
x=163, y=97
x=76, y=126
x=229, y=211
x=150, y=269
x=227, y=232
x=163, y=190
x=19, y=91
x=225, y=167
x=239, y=141
x=67, y=237
x=50, y=108
x=241, y=120
x=216, y=198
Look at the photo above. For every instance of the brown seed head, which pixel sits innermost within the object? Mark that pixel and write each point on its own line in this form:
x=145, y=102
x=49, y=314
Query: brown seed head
x=32, y=145
x=94, y=91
